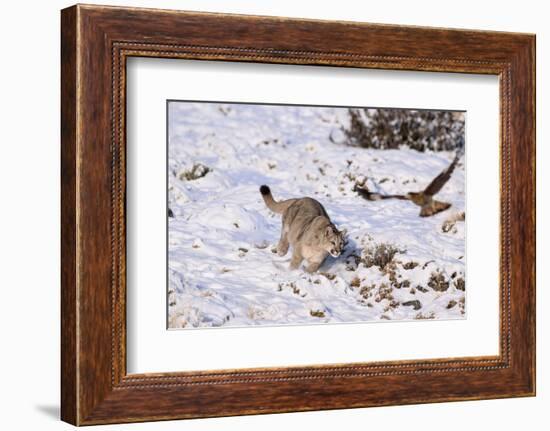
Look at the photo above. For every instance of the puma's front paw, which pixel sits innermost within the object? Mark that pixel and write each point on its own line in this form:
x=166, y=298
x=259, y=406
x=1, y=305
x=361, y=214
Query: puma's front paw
x=282, y=251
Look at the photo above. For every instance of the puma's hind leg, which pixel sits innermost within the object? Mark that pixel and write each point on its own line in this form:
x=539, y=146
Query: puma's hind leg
x=282, y=247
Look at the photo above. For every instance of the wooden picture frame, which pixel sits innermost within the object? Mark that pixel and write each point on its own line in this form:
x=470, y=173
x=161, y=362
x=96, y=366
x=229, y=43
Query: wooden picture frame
x=95, y=43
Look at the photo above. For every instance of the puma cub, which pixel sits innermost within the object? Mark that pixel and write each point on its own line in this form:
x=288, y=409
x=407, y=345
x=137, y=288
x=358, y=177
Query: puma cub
x=307, y=228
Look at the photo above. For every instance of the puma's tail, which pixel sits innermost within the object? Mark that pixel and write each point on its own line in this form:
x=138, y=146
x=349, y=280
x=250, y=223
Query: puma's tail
x=272, y=204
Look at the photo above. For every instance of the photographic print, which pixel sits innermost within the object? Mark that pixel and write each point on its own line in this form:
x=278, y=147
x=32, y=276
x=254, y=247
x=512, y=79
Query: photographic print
x=292, y=215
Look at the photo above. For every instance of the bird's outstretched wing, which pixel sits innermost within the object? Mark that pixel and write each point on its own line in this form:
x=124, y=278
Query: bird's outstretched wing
x=438, y=182
x=364, y=192
x=433, y=208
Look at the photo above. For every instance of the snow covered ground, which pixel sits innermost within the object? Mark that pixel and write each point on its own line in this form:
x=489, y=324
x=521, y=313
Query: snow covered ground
x=222, y=270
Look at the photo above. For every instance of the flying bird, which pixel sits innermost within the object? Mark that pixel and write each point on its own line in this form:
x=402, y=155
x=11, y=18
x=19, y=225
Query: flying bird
x=424, y=199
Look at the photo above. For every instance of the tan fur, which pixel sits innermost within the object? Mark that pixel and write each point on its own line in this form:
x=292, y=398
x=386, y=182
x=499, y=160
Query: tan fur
x=307, y=228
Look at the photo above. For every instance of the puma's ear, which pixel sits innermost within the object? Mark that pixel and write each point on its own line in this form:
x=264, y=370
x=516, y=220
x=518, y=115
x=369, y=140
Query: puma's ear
x=344, y=232
x=328, y=231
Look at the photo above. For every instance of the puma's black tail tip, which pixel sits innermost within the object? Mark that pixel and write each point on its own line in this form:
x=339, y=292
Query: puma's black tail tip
x=264, y=190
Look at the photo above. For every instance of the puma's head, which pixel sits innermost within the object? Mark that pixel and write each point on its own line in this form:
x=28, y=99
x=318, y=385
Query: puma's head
x=333, y=240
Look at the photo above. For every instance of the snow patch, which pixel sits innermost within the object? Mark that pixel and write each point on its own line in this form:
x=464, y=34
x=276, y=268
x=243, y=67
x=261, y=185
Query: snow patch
x=222, y=270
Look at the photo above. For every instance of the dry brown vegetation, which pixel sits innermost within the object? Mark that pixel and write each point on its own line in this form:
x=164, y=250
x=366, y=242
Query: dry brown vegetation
x=198, y=170
x=393, y=128
x=379, y=255
x=460, y=284
x=438, y=282
x=317, y=313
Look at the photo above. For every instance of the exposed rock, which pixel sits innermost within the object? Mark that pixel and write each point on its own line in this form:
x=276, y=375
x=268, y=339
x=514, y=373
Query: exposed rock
x=451, y=304
x=415, y=303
